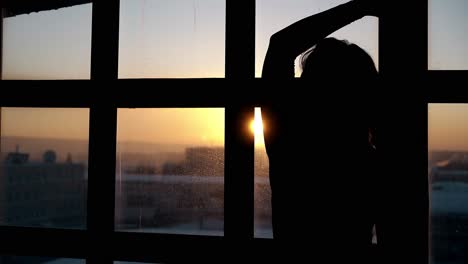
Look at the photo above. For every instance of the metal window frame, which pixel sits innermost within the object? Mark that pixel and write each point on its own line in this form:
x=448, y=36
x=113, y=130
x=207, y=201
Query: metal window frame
x=402, y=37
x=403, y=59
x=239, y=145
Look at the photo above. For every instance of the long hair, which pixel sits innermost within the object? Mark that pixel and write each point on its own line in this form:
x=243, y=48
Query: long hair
x=332, y=57
x=338, y=62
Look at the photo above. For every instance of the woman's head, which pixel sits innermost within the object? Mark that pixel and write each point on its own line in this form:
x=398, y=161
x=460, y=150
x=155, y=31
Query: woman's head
x=337, y=59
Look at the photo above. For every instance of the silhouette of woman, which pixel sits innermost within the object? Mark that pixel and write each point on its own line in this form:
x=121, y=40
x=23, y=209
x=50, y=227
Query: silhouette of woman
x=319, y=147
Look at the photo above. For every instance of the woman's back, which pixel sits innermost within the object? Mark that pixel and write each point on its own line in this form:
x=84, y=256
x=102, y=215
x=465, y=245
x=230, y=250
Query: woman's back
x=318, y=136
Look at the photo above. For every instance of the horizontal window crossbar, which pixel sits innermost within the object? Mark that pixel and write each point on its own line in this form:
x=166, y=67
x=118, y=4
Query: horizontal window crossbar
x=124, y=246
x=135, y=93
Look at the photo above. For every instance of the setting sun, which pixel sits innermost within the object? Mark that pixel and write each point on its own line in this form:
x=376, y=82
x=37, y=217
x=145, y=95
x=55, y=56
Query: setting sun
x=256, y=126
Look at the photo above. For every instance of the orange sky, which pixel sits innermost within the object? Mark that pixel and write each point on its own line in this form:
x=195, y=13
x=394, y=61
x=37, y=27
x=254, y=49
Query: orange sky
x=448, y=126
x=64, y=123
x=56, y=45
x=447, y=130
x=196, y=126
x=193, y=126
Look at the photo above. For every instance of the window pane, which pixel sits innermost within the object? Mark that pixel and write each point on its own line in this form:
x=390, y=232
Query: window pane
x=170, y=171
x=448, y=40
x=172, y=39
x=262, y=195
x=38, y=260
x=448, y=182
x=274, y=15
x=43, y=168
x=52, y=44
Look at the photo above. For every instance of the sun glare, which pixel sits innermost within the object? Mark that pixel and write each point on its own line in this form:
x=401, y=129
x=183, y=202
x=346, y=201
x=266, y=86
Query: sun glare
x=256, y=126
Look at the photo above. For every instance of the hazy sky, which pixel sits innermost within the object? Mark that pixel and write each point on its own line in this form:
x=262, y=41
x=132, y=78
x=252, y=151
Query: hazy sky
x=195, y=126
x=185, y=38
x=48, y=45
x=177, y=38
x=448, y=38
x=172, y=38
x=274, y=15
x=173, y=126
x=64, y=123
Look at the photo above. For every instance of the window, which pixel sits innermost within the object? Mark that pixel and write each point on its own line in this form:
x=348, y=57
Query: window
x=170, y=171
x=47, y=142
x=139, y=58
x=172, y=39
x=274, y=15
x=448, y=182
x=448, y=41
x=47, y=45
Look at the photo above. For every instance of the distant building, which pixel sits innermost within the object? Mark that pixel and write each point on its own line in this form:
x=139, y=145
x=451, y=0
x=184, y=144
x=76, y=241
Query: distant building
x=17, y=157
x=448, y=193
x=44, y=193
x=204, y=161
x=455, y=170
x=161, y=200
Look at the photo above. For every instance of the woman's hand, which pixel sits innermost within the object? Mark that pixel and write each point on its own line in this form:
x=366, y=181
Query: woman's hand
x=369, y=7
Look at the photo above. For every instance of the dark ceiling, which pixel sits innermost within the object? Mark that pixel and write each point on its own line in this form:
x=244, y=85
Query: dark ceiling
x=19, y=7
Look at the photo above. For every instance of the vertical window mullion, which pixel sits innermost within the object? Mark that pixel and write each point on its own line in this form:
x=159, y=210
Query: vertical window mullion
x=239, y=172
x=403, y=46
x=403, y=38
x=103, y=129
x=105, y=40
x=1, y=65
x=240, y=39
x=239, y=145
